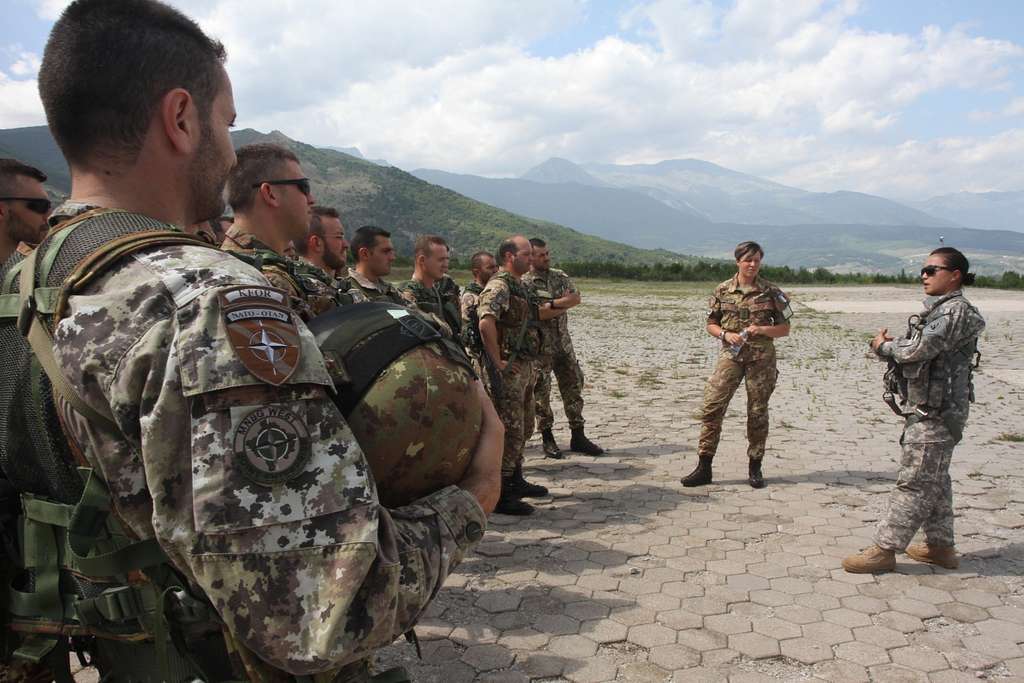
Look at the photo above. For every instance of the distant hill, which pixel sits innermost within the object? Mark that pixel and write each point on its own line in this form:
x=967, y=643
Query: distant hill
x=637, y=216
x=607, y=212
x=725, y=196
x=989, y=210
x=35, y=146
x=367, y=193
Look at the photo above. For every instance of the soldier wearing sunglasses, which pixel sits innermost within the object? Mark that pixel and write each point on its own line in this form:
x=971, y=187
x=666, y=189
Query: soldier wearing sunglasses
x=24, y=206
x=929, y=385
x=272, y=201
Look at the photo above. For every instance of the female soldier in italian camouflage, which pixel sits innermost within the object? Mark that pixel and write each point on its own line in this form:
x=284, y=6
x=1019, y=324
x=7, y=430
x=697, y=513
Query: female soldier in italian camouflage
x=747, y=313
x=931, y=372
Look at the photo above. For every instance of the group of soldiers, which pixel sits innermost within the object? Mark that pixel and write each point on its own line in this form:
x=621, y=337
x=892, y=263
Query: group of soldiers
x=182, y=498
x=511, y=319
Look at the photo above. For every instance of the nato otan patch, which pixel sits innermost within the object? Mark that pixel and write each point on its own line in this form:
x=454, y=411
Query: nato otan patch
x=271, y=445
x=262, y=331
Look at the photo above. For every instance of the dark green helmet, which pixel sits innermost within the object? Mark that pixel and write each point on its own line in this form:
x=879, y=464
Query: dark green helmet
x=407, y=393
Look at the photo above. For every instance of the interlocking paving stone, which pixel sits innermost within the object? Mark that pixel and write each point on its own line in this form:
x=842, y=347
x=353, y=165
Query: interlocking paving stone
x=881, y=636
x=1004, y=630
x=574, y=647
x=891, y=673
x=487, y=657
x=673, y=657
x=919, y=658
x=841, y=671
x=727, y=624
x=603, y=631
x=701, y=639
x=862, y=653
x=962, y=612
x=827, y=633
x=651, y=635
x=754, y=645
x=805, y=650
x=556, y=624
x=846, y=617
x=680, y=619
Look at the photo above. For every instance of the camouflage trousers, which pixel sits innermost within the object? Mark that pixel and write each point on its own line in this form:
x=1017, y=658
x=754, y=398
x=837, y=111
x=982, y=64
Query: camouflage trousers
x=514, y=404
x=756, y=368
x=923, y=497
x=570, y=385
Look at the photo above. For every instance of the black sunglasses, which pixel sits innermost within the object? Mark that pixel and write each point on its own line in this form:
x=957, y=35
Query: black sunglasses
x=34, y=204
x=301, y=183
x=931, y=270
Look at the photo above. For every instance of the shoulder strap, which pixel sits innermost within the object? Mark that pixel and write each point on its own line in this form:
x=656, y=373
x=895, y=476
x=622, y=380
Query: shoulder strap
x=30, y=323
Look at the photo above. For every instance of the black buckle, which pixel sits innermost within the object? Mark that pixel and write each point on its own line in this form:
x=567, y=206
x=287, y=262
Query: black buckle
x=26, y=315
x=419, y=328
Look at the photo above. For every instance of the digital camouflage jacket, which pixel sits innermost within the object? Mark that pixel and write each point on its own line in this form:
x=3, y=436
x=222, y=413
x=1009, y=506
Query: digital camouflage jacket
x=229, y=451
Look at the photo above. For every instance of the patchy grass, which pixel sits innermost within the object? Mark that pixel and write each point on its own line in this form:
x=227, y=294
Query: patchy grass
x=1015, y=437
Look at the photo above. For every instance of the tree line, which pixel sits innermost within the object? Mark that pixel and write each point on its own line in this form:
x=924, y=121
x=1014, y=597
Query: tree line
x=718, y=271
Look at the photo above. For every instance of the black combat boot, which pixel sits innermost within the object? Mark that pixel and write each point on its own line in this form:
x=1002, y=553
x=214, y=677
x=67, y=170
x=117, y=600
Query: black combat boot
x=518, y=486
x=581, y=444
x=509, y=502
x=701, y=474
x=551, y=449
x=756, y=478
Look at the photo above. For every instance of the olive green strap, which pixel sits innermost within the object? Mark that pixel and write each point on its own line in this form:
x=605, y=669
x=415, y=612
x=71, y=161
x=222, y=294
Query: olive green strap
x=41, y=341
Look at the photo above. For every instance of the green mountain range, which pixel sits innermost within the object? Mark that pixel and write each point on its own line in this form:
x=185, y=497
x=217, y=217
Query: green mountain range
x=367, y=193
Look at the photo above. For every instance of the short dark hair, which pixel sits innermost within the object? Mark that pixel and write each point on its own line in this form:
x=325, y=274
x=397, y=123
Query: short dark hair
x=424, y=242
x=106, y=65
x=507, y=246
x=256, y=163
x=316, y=226
x=12, y=168
x=366, y=238
x=476, y=261
x=954, y=259
x=538, y=242
x=746, y=249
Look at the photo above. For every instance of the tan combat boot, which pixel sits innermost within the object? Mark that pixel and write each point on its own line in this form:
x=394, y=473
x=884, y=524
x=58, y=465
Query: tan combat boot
x=873, y=560
x=942, y=555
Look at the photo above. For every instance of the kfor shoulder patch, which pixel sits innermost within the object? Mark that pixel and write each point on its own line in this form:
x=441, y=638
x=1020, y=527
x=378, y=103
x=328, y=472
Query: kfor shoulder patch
x=262, y=331
x=271, y=445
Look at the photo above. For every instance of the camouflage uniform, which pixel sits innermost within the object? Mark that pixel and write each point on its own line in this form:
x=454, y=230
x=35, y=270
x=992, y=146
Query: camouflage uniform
x=734, y=308
x=322, y=292
x=508, y=301
x=276, y=268
x=427, y=299
x=470, y=336
x=285, y=537
x=382, y=290
x=934, y=361
x=557, y=354
x=451, y=304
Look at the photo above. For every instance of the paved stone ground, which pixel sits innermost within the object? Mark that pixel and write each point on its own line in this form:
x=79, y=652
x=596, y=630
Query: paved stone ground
x=623, y=574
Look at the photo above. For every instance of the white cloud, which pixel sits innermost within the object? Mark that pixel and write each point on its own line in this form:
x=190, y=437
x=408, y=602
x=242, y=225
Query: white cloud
x=918, y=169
x=791, y=89
x=19, y=102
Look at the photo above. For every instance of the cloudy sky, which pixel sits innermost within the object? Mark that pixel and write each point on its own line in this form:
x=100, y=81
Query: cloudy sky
x=906, y=99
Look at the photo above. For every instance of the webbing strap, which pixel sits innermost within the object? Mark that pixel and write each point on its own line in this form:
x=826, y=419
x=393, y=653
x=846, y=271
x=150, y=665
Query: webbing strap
x=41, y=341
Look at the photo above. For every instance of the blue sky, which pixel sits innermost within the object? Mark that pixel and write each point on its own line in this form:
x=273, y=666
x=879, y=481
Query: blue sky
x=908, y=99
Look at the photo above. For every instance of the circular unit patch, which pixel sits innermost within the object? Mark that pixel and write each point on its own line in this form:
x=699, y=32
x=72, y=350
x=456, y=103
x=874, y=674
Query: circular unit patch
x=271, y=445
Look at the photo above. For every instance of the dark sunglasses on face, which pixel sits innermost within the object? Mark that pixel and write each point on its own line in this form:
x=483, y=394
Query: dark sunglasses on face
x=34, y=204
x=931, y=270
x=301, y=183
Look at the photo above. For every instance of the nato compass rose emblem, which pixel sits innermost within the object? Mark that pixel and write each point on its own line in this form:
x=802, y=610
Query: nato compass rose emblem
x=268, y=346
x=271, y=445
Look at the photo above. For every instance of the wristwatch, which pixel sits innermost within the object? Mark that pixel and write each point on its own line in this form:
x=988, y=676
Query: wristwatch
x=722, y=335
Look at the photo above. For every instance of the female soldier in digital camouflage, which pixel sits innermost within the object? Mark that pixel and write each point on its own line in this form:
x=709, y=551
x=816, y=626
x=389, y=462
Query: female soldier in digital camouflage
x=747, y=313
x=930, y=370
